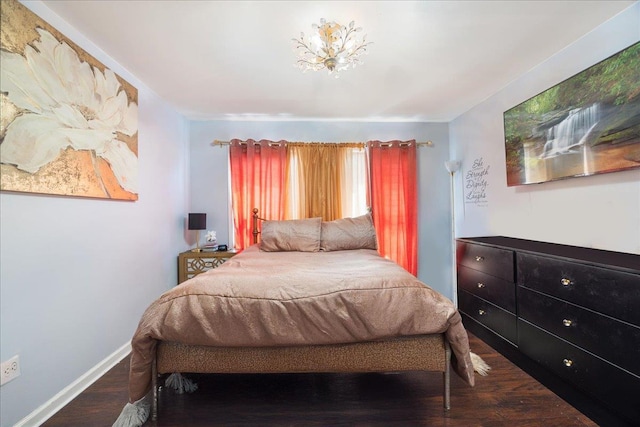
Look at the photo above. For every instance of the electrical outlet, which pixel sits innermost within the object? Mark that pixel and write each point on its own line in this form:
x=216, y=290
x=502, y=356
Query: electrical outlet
x=9, y=370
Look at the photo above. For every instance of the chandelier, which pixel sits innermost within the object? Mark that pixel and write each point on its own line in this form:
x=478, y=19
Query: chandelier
x=331, y=46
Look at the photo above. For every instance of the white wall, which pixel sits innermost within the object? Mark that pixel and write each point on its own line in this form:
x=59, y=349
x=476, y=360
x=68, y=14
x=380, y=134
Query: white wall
x=209, y=176
x=601, y=211
x=77, y=273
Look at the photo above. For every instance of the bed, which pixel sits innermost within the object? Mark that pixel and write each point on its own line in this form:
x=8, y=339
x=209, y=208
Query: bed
x=311, y=296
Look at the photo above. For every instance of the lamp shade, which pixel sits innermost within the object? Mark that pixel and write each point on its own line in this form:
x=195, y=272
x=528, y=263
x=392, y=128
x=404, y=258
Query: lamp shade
x=197, y=221
x=452, y=165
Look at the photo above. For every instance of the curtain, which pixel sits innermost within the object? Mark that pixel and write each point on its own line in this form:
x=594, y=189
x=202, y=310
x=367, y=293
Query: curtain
x=319, y=180
x=394, y=200
x=355, y=182
x=257, y=181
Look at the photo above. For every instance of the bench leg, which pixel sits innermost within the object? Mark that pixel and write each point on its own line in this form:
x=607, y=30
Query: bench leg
x=446, y=397
x=154, y=386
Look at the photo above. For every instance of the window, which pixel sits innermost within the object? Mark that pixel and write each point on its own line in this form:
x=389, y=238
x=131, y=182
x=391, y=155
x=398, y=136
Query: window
x=286, y=180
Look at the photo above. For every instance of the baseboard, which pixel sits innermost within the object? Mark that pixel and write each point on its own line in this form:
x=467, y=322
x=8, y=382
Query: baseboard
x=66, y=395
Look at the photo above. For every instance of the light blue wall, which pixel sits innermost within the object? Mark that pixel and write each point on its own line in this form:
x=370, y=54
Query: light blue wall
x=601, y=211
x=76, y=274
x=209, y=176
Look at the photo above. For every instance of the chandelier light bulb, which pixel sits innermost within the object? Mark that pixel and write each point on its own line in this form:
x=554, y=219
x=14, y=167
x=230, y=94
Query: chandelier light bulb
x=330, y=46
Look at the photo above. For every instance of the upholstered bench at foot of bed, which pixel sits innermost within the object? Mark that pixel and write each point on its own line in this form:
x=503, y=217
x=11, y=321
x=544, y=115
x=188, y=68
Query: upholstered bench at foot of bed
x=415, y=353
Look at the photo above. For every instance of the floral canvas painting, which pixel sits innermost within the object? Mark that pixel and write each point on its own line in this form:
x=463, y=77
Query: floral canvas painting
x=69, y=125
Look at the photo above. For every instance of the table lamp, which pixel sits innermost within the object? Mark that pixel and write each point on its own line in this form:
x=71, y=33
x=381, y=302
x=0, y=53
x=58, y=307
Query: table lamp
x=197, y=221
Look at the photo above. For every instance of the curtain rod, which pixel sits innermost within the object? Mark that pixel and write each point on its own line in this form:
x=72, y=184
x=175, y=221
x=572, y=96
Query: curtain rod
x=419, y=144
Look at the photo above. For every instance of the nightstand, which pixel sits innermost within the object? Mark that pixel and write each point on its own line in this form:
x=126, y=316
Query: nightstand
x=190, y=264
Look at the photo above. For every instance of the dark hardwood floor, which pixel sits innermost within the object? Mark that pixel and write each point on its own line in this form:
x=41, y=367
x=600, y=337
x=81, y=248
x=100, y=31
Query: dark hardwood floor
x=507, y=397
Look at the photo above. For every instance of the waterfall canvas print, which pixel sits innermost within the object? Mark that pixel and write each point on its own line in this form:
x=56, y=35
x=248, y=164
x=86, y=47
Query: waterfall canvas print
x=69, y=124
x=588, y=124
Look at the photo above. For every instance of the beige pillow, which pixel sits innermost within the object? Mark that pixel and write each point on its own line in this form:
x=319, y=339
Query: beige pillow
x=302, y=235
x=349, y=233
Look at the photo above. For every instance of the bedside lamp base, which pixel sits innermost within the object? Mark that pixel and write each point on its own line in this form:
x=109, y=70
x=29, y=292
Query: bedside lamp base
x=197, y=248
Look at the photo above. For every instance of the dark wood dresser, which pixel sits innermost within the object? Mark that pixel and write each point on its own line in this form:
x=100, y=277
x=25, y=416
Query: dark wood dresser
x=573, y=312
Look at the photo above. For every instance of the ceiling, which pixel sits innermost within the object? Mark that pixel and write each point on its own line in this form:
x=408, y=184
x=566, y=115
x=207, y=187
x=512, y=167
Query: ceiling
x=233, y=60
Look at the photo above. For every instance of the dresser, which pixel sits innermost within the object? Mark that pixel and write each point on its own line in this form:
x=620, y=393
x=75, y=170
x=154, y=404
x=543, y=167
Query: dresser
x=574, y=312
x=190, y=263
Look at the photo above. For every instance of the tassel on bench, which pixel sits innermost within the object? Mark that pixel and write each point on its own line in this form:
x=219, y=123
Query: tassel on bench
x=180, y=383
x=134, y=414
x=479, y=365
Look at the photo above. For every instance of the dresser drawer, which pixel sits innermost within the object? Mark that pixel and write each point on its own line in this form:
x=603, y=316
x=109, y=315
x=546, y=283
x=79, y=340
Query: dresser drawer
x=612, y=292
x=615, y=387
x=486, y=259
x=493, y=317
x=611, y=339
x=493, y=289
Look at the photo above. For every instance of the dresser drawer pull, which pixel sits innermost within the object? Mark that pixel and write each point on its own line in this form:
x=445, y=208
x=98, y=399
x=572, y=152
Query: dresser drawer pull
x=479, y=258
x=567, y=362
x=480, y=285
x=566, y=282
x=482, y=312
x=567, y=322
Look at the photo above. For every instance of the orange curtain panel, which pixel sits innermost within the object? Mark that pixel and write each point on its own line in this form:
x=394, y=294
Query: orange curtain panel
x=257, y=181
x=394, y=200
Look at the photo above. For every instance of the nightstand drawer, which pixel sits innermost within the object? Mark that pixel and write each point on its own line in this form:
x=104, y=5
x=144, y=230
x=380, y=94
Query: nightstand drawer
x=493, y=317
x=615, y=387
x=493, y=289
x=602, y=335
x=588, y=286
x=489, y=260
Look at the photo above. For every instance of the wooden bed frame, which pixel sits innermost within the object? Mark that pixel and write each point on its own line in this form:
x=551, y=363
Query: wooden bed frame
x=414, y=353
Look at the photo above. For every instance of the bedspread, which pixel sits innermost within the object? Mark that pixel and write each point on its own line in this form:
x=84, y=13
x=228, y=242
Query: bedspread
x=262, y=298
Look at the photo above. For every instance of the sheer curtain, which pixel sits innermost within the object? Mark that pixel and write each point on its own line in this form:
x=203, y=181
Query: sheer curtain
x=355, y=183
x=394, y=200
x=257, y=181
x=325, y=180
